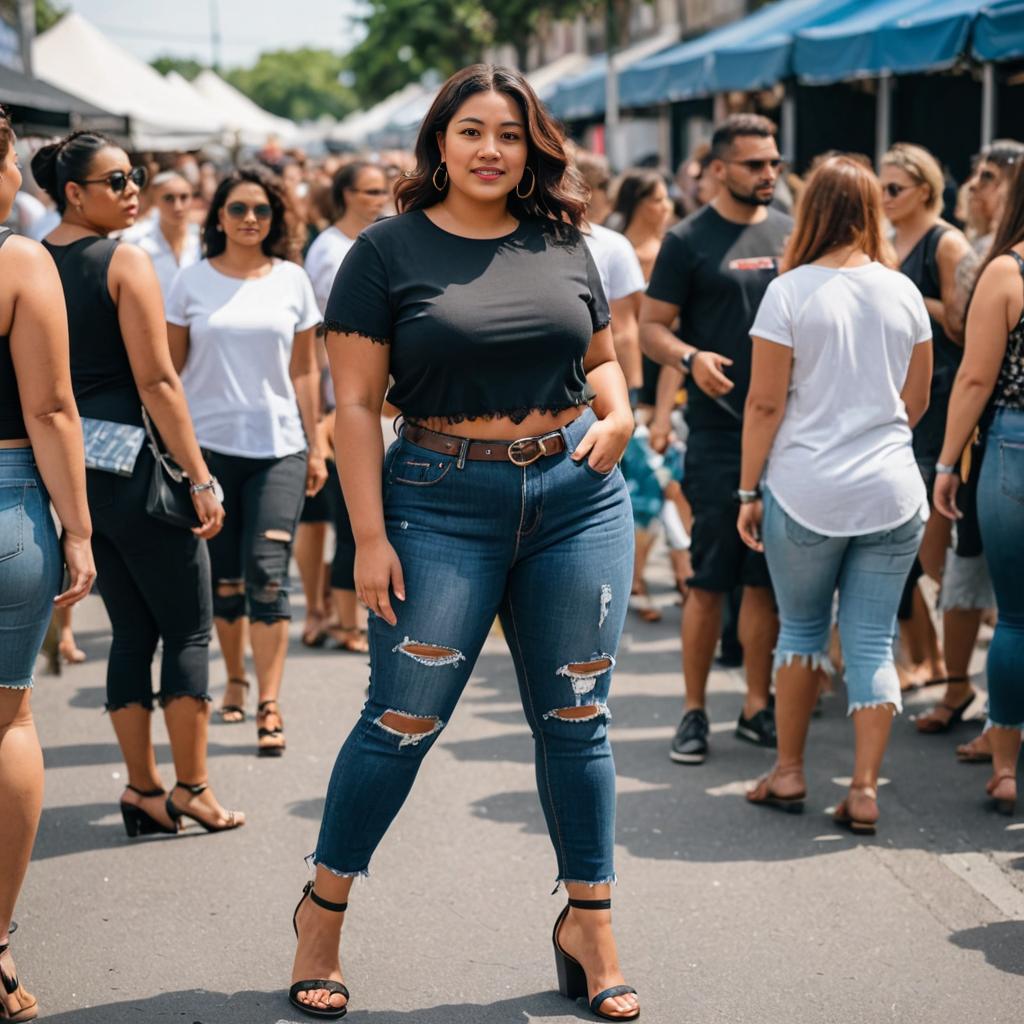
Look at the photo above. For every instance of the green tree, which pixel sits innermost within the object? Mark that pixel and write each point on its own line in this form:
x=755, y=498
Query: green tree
x=47, y=15
x=300, y=84
x=187, y=67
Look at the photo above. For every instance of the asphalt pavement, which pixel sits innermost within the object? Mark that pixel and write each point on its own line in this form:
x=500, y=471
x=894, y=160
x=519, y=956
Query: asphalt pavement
x=724, y=912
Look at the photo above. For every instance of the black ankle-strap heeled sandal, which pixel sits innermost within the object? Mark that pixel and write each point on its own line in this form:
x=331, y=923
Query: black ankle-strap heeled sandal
x=233, y=820
x=572, y=978
x=311, y=985
x=16, y=1004
x=137, y=822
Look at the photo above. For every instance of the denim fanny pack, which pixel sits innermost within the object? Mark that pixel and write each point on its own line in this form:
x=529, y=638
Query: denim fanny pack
x=112, y=447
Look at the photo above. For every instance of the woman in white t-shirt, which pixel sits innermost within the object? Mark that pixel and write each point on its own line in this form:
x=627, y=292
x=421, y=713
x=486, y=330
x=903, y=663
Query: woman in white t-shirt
x=841, y=372
x=359, y=193
x=241, y=327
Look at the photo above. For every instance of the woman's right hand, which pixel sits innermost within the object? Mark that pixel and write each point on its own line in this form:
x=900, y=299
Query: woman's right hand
x=81, y=569
x=210, y=512
x=378, y=571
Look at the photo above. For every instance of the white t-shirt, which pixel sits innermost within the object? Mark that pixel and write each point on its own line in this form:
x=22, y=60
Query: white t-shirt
x=842, y=462
x=241, y=334
x=617, y=263
x=148, y=237
x=325, y=255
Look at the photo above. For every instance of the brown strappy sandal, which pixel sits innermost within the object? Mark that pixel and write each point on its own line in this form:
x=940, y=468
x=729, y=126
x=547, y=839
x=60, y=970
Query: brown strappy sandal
x=1003, y=797
x=763, y=794
x=235, y=711
x=859, y=811
x=16, y=1004
x=269, y=742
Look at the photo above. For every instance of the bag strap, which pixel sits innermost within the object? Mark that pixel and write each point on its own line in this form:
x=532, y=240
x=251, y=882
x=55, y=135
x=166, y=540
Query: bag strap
x=174, y=471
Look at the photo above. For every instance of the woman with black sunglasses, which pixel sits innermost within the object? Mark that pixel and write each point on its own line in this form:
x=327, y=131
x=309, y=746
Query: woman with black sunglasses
x=241, y=326
x=156, y=577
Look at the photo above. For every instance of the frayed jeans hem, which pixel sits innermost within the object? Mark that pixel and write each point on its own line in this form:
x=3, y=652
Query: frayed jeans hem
x=990, y=724
x=313, y=862
x=21, y=684
x=864, y=705
x=559, y=882
x=816, y=661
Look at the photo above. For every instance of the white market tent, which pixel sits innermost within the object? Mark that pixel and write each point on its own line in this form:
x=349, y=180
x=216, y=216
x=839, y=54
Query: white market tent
x=238, y=114
x=77, y=57
x=357, y=127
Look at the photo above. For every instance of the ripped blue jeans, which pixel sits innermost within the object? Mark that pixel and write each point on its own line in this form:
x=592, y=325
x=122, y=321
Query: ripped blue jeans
x=548, y=548
x=869, y=571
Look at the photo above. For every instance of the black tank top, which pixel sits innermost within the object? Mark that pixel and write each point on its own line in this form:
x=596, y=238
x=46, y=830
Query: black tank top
x=12, y=422
x=101, y=375
x=921, y=267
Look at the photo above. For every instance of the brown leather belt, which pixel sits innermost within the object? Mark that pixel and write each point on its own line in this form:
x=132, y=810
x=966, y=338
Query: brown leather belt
x=521, y=452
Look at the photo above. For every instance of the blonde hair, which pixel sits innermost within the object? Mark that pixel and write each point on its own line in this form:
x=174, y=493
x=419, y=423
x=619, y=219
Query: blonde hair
x=920, y=165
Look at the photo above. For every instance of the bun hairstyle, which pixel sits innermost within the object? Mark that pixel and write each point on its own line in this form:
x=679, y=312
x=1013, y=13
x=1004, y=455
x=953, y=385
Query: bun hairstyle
x=276, y=242
x=54, y=165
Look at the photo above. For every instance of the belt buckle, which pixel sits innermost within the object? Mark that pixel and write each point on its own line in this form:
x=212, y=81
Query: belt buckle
x=515, y=448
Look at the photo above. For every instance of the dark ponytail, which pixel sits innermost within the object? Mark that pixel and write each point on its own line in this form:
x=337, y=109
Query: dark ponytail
x=53, y=166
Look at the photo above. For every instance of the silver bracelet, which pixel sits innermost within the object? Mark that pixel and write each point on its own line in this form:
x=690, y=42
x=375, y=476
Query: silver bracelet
x=943, y=470
x=210, y=485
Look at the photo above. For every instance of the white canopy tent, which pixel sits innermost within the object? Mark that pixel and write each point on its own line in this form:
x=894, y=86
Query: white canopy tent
x=238, y=114
x=357, y=127
x=77, y=57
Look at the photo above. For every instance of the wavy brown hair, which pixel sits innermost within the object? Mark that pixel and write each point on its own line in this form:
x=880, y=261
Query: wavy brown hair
x=560, y=194
x=1010, y=231
x=840, y=205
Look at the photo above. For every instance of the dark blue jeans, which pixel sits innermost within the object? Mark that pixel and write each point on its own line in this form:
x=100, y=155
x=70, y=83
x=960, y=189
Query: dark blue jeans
x=1001, y=518
x=549, y=549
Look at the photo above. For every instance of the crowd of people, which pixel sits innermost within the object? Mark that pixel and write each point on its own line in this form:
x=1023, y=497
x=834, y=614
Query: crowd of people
x=812, y=388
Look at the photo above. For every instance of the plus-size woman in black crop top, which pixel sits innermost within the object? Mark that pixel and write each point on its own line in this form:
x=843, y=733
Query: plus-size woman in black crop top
x=156, y=577
x=502, y=497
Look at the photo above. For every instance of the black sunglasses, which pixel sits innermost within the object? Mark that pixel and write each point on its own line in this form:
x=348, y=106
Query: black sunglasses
x=117, y=181
x=369, y=191
x=238, y=210
x=894, y=191
x=758, y=165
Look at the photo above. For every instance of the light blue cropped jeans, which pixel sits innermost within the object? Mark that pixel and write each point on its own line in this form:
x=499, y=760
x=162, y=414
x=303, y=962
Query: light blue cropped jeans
x=869, y=572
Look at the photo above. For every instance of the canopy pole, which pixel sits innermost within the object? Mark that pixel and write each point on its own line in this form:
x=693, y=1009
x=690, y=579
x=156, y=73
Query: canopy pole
x=788, y=133
x=988, y=103
x=883, y=116
x=613, y=145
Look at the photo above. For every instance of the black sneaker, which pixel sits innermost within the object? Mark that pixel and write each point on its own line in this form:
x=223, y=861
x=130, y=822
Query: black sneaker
x=759, y=729
x=690, y=745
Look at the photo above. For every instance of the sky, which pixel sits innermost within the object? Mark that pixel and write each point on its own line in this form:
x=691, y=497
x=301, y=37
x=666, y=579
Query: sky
x=152, y=28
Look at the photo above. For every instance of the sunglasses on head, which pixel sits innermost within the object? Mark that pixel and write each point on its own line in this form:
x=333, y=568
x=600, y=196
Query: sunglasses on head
x=238, y=210
x=117, y=181
x=759, y=165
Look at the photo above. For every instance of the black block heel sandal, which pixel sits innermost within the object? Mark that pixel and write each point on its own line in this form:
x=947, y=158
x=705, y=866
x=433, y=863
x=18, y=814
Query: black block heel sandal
x=332, y=987
x=15, y=1003
x=572, y=979
x=176, y=814
x=138, y=823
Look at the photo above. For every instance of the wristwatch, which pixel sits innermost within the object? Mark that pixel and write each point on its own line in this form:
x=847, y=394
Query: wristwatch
x=943, y=470
x=748, y=497
x=213, y=484
x=687, y=360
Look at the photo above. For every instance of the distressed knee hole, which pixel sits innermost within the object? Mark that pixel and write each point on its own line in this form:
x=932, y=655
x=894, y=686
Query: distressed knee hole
x=280, y=535
x=584, y=713
x=267, y=593
x=428, y=654
x=584, y=674
x=230, y=588
x=412, y=729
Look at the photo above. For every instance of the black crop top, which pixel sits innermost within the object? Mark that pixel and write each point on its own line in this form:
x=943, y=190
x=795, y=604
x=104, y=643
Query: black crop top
x=12, y=422
x=477, y=327
x=101, y=375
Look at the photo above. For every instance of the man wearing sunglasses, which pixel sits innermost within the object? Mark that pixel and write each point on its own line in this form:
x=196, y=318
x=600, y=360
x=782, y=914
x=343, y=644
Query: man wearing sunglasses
x=709, y=278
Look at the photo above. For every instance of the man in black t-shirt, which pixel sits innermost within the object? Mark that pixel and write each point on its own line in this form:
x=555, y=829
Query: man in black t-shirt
x=710, y=275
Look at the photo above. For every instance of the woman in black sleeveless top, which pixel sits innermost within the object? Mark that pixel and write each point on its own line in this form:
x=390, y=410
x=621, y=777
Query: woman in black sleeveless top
x=929, y=251
x=155, y=578
x=41, y=459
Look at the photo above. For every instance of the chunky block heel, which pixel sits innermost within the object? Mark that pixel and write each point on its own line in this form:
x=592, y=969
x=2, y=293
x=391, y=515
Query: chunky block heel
x=137, y=822
x=16, y=1004
x=572, y=978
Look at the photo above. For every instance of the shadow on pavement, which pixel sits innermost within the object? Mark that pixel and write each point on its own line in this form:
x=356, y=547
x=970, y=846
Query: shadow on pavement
x=200, y=1007
x=86, y=755
x=1002, y=943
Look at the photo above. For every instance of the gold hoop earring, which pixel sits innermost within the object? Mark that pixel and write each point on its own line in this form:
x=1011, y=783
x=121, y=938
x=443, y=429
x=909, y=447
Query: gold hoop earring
x=533, y=185
x=433, y=177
